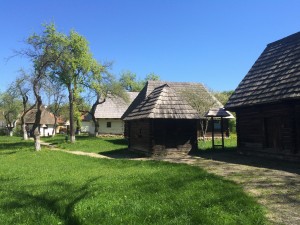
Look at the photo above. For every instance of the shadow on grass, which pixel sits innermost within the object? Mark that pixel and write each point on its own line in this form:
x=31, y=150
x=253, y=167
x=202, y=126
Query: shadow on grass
x=123, y=153
x=115, y=141
x=61, y=203
x=15, y=145
x=231, y=155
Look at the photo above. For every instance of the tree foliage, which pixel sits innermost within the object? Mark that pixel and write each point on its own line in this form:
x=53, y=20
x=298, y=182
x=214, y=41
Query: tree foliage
x=11, y=107
x=23, y=87
x=223, y=96
x=130, y=82
x=72, y=68
x=102, y=84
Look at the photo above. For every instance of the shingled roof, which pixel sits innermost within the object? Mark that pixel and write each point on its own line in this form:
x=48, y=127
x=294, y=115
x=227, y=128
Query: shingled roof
x=46, y=117
x=159, y=99
x=275, y=76
x=114, y=107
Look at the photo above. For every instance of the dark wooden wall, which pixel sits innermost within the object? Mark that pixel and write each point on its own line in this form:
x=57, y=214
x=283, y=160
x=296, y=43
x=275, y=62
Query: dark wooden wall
x=273, y=129
x=172, y=135
x=139, y=135
x=162, y=136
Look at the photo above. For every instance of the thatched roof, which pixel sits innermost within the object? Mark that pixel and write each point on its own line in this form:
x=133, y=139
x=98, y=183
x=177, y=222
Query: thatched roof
x=159, y=99
x=46, y=117
x=114, y=106
x=275, y=76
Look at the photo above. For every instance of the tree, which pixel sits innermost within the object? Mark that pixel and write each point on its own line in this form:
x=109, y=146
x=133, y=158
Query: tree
x=101, y=84
x=223, y=96
x=41, y=52
x=11, y=107
x=56, y=97
x=202, y=101
x=22, y=87
x=72, y=68
x=152, y=76
x=129, y=81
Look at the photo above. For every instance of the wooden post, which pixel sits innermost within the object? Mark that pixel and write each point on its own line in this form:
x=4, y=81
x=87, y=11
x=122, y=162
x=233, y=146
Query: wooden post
x=213, y=133
x=222, y=132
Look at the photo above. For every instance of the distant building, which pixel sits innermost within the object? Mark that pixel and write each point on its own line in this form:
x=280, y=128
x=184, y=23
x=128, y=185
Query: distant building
x=46, y=124
x=109, y=115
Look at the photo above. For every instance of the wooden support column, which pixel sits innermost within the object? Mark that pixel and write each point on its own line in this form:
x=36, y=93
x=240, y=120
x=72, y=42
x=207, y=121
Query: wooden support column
x=213, y=133
x=222, y=132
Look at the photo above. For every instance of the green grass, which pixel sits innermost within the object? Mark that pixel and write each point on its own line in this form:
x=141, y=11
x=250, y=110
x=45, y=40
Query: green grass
x=89, y=143
x=229, y=143
x=50, y=187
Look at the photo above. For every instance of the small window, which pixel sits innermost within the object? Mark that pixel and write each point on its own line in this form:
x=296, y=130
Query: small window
x=108, y=124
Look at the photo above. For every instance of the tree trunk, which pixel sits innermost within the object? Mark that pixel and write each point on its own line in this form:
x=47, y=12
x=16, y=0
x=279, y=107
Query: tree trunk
x=96, y=122
x=25, y=135
x=36, y=126
x=204, y=125
x=94, y=107
x=54, y=125
x=71, y=109
x=37, y=140
x=10, y=132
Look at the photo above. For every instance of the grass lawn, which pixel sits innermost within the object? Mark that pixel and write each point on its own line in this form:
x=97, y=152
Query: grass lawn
x=89, y=144
x=229, y=143
x=50, y=187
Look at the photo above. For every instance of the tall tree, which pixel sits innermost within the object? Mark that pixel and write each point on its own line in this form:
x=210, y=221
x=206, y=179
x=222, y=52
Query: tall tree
x=22, y=87
x=41, y=52
x=72, y=68
x=11, y=107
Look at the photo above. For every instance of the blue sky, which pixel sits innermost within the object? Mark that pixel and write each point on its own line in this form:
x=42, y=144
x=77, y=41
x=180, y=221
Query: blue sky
x=212, y=42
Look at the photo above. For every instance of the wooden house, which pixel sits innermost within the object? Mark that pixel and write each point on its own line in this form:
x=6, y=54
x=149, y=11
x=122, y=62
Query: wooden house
x=161, y=121
x=109, y=115
x=267, y=102
x=46, y=124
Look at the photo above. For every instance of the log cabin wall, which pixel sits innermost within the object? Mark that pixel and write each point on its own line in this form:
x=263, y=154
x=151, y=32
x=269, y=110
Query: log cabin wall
x=174, y=136
x=272, y=130
x=140, y=136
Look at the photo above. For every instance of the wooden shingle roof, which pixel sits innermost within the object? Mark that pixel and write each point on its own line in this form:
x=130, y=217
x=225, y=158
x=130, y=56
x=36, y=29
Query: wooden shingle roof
x=164, y=100
x=114, y=107
x=46, y=117
x=275, y=76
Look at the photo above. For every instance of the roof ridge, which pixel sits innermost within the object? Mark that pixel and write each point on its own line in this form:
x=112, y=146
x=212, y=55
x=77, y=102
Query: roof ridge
x=291, y=37
x=162, y=87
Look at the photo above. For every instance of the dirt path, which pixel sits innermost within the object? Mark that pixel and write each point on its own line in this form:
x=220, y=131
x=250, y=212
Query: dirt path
x=275, y=184
x=91, y=154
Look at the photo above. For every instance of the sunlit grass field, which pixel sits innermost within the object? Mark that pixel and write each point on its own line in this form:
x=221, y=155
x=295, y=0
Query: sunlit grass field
x=51, y=187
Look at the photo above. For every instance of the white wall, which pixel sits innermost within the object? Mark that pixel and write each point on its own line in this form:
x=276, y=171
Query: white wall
x=88, y=127
x=117, y=126
x=45, y=131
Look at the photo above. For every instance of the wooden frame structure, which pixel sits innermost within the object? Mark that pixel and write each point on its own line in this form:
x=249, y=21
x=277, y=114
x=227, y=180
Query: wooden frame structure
x=267, y=102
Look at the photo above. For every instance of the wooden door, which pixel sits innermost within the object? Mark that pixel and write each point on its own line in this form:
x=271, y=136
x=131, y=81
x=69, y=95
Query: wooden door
x=272, y=133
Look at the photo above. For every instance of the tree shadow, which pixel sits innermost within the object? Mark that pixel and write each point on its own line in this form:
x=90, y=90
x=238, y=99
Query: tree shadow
x=60, y=203
x=118, y=141
x=15, y=146
x=123, y=153
x=231, y=155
